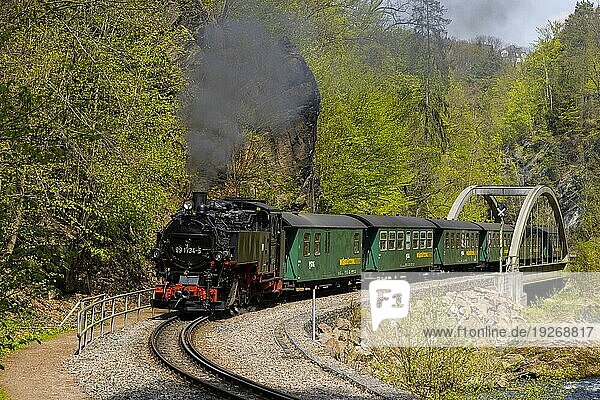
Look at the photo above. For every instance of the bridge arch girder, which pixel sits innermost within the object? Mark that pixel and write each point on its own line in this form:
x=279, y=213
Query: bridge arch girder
x=488, y=193
x=531, y=194
x=530, y=200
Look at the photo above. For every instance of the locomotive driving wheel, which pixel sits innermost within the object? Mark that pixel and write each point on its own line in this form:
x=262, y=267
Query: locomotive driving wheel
x=239, y=297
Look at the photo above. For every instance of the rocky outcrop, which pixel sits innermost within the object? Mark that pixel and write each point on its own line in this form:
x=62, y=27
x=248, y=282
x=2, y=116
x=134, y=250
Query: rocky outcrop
x=343, y=340
x=476, y=307
x=481, y=305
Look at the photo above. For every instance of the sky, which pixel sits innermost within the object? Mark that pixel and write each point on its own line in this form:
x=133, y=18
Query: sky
x=513, y=21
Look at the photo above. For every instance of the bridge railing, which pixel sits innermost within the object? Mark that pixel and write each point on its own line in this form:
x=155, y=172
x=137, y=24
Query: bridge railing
x=102, y=314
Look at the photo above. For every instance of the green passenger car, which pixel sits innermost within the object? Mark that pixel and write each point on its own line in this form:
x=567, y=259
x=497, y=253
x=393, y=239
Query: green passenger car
x=539, y=243
x=397, y=243
x=320, y=247
x=456, y=243
x=492, y=242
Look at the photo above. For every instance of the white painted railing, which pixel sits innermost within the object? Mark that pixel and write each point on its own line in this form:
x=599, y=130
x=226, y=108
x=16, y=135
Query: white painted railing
x=101, y=314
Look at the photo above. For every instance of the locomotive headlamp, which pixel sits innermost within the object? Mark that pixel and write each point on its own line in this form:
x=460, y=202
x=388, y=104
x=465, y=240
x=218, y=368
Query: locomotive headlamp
x=218, y=256
x=188, y=205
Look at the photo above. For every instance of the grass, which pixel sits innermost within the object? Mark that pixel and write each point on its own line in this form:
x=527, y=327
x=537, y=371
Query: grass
x=19, y=341
x=18, y=332
x=3, y=395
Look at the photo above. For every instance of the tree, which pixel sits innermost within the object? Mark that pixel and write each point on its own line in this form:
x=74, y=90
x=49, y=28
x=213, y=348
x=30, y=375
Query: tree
x=93, y=149
x=430, y=25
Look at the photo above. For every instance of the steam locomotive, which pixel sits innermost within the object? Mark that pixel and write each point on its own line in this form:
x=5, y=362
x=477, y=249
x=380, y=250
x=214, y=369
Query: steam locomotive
x=224, y=254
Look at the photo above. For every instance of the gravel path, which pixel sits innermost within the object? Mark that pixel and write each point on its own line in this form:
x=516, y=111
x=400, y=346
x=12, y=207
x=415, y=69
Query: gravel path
x=120, y=366
x=40, y=367
x=253, y=346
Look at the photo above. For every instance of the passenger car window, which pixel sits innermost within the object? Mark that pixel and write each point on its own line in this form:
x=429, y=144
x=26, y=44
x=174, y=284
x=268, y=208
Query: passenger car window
x=306, y=244
x=430, y=239
x=415, y=240
x=356, y=247
x=468, y=240
x=382, y=241
x=317, y=244
x=400, y=240
x=407, y=240
x=392, y=240
x=423, y=243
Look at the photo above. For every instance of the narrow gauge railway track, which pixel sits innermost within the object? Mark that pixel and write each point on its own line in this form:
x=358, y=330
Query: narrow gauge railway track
x=171, y=343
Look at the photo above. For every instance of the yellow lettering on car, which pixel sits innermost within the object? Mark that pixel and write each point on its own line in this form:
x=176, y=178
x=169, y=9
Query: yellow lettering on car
x=350, y=261
x=471, y=253
x=423, y=254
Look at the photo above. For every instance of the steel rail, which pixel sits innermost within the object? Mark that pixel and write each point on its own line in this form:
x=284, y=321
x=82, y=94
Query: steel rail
x=153, y=342
x=240, y=381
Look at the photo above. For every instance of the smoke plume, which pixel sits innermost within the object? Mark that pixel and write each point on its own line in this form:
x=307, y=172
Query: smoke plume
x=241, y=79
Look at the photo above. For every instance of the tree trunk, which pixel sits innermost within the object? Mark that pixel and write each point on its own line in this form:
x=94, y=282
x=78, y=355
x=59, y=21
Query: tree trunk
x=10, y=247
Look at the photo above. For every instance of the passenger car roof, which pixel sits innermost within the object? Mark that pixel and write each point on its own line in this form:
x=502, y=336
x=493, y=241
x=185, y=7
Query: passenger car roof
x=386, y=221
x=452, y=224
x=306, y=220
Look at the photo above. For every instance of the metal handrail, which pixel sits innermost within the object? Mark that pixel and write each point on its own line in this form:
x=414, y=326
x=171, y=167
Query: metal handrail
x=80, y=304
x=105, y=309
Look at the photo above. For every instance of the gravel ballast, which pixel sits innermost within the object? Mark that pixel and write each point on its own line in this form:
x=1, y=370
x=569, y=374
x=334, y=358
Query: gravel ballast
x=119, y=366
x=268, y=346
x=253, y=346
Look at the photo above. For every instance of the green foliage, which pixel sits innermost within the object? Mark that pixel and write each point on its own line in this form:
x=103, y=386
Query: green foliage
x=439, y=373
x=363, y=146
x=476, y=63
x=92, y=148
x=547, y=113
x=587, y=255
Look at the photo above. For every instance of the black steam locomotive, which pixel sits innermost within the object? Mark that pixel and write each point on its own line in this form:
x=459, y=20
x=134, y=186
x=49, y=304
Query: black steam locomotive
x=215, y=255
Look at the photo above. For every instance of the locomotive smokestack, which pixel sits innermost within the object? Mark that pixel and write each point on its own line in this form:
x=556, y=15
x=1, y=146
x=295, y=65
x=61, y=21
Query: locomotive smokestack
x=199, y=199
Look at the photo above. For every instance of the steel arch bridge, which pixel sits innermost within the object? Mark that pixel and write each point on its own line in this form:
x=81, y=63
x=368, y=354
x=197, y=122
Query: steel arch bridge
x=532, y=244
